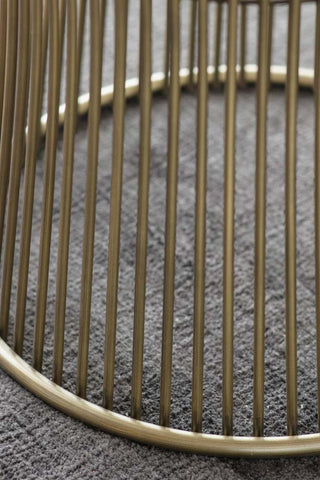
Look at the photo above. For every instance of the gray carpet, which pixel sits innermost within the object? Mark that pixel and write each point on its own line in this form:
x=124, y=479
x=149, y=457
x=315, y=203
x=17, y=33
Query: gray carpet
x=37, y=442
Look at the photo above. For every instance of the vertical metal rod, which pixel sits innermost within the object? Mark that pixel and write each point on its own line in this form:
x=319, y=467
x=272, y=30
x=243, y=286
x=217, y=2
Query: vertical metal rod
x=317, y=192
x=121, y=26
x=91, y=193
x=170, y=235
x=243, y=44
x=3, y=48
x=167, y=47
x=291, y=114
x=8, y=107
x=29, y=174
x=103, y=19
x=217, y=43
x=143, y=200
x=270, y=38
x=66, y=190
x=192, y=40
x=228, y=270
x=62, y=27
x=200, y=220
x=17, y=153
x=48, y=181
x=44, y=54
x=62, y=22
x=81, y=23
x=260, y=219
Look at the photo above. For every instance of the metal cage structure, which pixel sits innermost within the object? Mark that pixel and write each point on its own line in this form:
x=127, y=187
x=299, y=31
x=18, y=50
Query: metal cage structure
x=41, y=55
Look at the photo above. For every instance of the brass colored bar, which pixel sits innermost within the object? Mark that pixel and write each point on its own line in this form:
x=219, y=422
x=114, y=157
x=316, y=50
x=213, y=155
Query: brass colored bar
x=81, y=23
x=291, y=113
x=317, y=192
x=170, y=235
x=62, y=22
x=62, y=27
x=44, y=55
x=8, y=108
x=151, y=434
x=48, y=181
x=270, y=40
x=217, y=43
x=167, y=47
x=3, y=48
x=260, y=220
x=143, y=199
x=29, y=173
x=121, y=26
x=192, y=40
x=306, y=83
x=45, y=30
x=103, y=19
x=66, y=190
x=243, y=44
x=91, y=193
x=17, y=154
x=228, y=270
x=200, y=220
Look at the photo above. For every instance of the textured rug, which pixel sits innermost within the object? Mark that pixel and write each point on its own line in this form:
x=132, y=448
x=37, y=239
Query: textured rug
x=37, y=442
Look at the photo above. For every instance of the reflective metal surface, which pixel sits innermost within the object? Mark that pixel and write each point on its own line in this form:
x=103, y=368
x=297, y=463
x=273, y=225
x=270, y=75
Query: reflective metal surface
x=33, y=30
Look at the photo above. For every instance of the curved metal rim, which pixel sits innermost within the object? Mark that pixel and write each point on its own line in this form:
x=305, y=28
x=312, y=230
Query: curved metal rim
x=148, y=433
x=137, y=430
x=278, y=77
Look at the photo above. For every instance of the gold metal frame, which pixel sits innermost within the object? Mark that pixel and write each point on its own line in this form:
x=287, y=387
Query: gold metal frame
x=21, y=106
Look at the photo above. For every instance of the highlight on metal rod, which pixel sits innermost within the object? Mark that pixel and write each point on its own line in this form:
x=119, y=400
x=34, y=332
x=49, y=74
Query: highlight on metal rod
x=66, y=188
x=171, y=216
x=82, y=5
x=44, y=56
x=48, y=182
x=62, y=24
x=167, y=43
x=217, y=42
x=270, y=39
x=243, y=43
x=228, y=241
x=91, y=193
x=290, y=208
x=260, y=219
x=192, y=40
x=145, y=96
x=121, y=27
x=200, y=221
